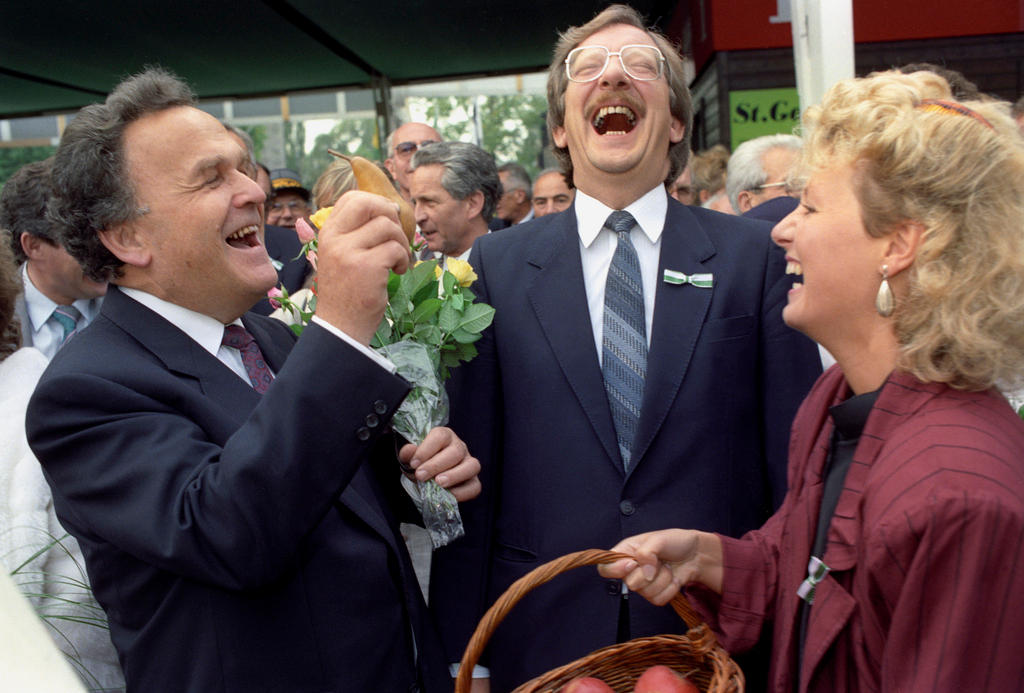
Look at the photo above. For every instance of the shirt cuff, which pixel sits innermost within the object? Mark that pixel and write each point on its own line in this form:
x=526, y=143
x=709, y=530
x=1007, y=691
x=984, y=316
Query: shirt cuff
x=382, y=361
x=479, y=672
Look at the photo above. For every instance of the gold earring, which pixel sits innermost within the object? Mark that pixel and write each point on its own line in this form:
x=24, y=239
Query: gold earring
x=884, y=302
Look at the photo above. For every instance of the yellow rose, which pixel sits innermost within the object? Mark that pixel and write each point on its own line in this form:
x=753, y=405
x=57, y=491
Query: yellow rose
x=320, y=217
x=462, y=270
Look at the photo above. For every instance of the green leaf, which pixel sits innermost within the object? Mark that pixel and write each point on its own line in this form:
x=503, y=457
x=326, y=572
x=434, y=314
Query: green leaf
x=449, y=283
x=416, y=280
x=458, y=302
x=394, y=281
x=383, y=334
x=463, y=337
x=297, y=329
x=428, y=334
x=426, y=310
x=476, y=318
x=447, y=317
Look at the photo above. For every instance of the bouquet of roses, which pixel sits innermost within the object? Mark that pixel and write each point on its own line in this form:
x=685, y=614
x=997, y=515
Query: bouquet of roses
x=430, y=325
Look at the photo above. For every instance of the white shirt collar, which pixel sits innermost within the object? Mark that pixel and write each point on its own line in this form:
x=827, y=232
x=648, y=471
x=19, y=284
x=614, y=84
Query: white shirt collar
x=208, y=332
x=40, y=307
x=649, y=212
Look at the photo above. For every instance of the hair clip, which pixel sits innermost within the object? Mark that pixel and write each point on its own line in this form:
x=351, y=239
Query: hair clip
x=943, y=106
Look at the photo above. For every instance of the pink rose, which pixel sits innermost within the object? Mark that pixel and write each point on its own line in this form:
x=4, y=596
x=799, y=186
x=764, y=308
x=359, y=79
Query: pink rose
x=304, y=231
x=274, y=294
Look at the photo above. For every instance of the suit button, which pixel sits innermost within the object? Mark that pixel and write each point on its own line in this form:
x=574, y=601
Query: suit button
x=372, y=420
x=612, y=587
x=380, y=406
x=363, y=433
x=627, y=508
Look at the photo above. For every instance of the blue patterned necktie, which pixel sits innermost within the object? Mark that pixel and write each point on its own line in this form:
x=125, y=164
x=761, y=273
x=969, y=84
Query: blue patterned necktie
x=67, y=317
x=624, y=342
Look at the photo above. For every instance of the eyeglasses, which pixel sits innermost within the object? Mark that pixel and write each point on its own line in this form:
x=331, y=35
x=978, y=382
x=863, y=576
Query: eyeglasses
x=293, y=206
x=587, y=63
x=783, y=184
x=409, y=148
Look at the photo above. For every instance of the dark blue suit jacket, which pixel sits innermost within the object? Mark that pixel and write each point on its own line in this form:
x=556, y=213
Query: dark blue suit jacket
x=237, y=542
x=725, y=376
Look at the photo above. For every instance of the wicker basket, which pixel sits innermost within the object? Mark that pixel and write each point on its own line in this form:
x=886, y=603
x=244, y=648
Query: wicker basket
x=696, y=654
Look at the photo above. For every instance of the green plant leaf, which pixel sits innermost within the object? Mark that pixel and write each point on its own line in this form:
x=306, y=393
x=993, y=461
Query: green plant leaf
x=476, y=318
x=427, y=309
x=297, y=329
x=458, y=302
x=449, y=283
x=383, y=334
x=447, y=318
x=463, y=337
x=428, y=334
x=394, y=281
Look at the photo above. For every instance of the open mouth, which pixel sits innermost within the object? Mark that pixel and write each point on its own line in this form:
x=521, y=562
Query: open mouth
x=614, y=120
x=795, y=268
x=245, y=237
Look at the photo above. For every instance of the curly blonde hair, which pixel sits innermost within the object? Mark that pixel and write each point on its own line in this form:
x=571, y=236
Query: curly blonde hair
x=961, y=176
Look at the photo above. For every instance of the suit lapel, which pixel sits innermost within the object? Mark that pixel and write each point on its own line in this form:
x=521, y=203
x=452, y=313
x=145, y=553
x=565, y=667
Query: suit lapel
x=184, y=357
x=679, y=314
x=559, y=300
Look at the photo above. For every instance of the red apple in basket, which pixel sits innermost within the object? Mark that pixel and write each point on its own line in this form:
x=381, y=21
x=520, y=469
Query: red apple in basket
x=587, y=684
x=661, y=679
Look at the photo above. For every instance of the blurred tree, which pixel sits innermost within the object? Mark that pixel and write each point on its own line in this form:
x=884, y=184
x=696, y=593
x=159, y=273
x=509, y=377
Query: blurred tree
x=258, y=133
x=512, y=126
x=352, y=136
x=13, y=158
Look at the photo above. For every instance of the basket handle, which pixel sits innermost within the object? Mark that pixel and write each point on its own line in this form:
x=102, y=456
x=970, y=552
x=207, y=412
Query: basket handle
x=536, y=577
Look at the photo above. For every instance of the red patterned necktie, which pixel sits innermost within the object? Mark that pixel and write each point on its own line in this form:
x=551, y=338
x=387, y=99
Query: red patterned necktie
x=252, y=358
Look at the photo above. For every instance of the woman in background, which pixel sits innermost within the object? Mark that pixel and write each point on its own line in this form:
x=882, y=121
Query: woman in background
x=896, y=562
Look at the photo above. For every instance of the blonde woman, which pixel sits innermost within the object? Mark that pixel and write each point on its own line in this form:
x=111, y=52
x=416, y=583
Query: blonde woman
x=896, y=562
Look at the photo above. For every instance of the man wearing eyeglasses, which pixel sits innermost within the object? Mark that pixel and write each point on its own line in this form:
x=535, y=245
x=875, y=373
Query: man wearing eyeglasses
x=290, y=200
x=757, y=173
x=401, y=145
x=637, y=374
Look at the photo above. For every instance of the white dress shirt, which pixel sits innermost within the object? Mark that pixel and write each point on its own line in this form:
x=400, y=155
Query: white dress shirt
x=48, y=335
x=208, y=332
x=597, y=248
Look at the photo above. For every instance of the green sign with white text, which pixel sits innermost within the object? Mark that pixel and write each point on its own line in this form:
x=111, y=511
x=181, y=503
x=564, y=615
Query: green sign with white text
x=757, y=112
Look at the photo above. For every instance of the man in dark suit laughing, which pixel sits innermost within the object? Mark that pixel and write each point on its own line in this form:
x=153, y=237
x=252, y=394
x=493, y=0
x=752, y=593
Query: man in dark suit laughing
x=237, y=511
x=637, y=373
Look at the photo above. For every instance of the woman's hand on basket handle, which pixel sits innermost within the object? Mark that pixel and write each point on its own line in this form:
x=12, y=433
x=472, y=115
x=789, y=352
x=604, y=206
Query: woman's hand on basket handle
x=663, y=561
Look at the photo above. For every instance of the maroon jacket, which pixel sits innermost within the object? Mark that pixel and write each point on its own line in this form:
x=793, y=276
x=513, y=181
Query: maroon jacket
x=926, y=549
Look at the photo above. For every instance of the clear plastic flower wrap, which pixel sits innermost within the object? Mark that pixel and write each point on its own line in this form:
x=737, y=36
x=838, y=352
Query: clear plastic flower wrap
x=425, y=407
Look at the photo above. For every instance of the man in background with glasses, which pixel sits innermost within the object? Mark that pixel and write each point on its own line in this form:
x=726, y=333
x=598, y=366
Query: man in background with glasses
x=290, y=199
x=401, y=145
x=757, y=173
x=637, y=375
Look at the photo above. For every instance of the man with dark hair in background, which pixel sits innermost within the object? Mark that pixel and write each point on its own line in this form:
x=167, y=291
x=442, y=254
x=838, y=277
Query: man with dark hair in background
x=59, y=299
x=514, y=205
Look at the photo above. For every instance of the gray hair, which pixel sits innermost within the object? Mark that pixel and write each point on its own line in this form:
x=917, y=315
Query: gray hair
x=517, y=178
x=92, y=190
x=746, y=165
x=467, y=168
x=680, y=103
x=247, y=142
